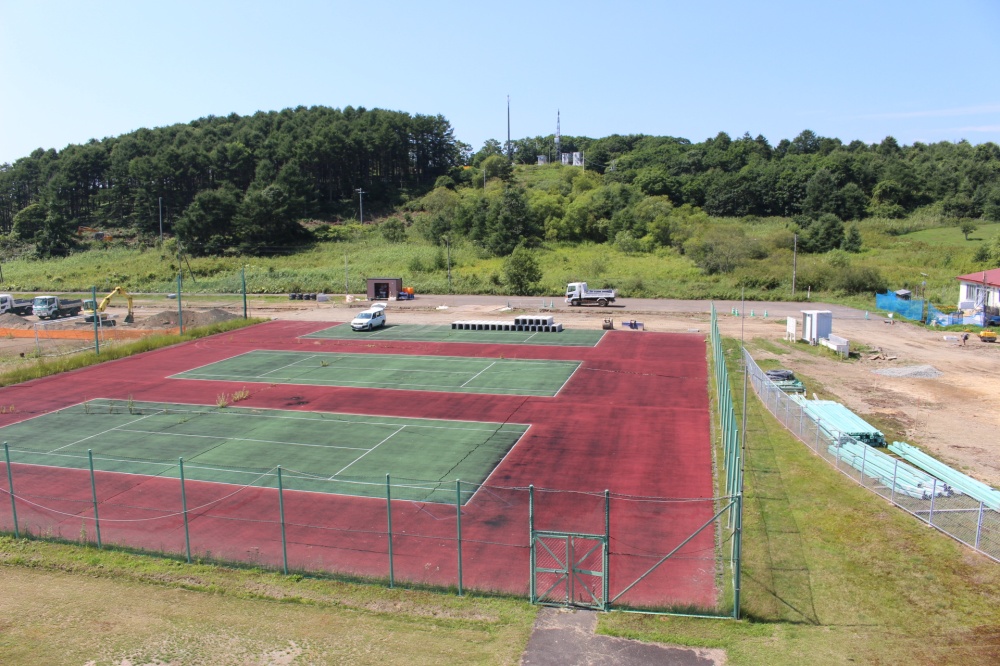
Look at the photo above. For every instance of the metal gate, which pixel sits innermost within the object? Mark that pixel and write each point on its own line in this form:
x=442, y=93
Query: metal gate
x=569, y=569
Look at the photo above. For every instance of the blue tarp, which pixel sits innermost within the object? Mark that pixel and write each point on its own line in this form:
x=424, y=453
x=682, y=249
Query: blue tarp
x=905, y=308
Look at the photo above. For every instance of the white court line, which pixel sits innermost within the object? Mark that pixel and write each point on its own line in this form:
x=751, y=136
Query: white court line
x=401, y=386
x=240, y=439
x=318, y=418
x=369, y=451
x=478, y=373
x=579, y=364
x=100, y=434
x=288, y=365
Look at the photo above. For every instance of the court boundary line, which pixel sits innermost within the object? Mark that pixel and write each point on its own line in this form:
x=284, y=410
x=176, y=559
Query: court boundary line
x=484, y=390
x=315, y=336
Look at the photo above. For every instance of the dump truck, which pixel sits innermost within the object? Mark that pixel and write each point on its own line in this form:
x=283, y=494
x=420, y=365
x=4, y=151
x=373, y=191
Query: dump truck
x=90, y=310
x=53, y=307
x=18, y=306
x=577, y=293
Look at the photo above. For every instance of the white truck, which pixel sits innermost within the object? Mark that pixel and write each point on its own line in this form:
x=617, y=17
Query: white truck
x=53, y=307
x=577, y=293
x=18, y=306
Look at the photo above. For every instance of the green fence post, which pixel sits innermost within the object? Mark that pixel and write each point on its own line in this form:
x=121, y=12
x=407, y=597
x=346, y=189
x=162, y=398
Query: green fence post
x=93, y=494
x=180, y=312
x=10, y=488
x=738, y=548
x=97, y=336
x=458, y=529
x=607, y=546
x=281, y=511
x=388, y=514
x=243, y=278
x=184, y=510
x=531, y=538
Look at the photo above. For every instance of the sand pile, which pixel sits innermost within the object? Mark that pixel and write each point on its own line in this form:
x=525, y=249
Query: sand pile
x=11, y=320
x=192, y=318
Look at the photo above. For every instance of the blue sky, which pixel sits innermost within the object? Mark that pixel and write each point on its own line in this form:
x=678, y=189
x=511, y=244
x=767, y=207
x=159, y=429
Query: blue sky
x=917, y=70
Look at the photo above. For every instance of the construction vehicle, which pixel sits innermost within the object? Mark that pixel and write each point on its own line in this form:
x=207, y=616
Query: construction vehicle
x=18, y=306
x=89, y=311
x=577, y=293
x=97, y=233
x=53, y=307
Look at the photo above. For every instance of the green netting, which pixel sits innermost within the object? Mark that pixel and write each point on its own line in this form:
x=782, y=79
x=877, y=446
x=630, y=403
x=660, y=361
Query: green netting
x=394, y=371
x=319, y=452
x=437, y=333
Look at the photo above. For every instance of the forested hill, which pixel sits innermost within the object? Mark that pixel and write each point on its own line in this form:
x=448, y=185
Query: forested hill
x=244, y=184
x=245, y=180
x=747, y=176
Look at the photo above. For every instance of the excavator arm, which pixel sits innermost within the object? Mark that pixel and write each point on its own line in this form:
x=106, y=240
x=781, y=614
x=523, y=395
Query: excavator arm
x=117, y=291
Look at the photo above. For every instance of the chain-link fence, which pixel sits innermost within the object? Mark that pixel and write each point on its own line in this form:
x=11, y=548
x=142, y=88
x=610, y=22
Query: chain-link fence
x=609, y=551
x=957, y=515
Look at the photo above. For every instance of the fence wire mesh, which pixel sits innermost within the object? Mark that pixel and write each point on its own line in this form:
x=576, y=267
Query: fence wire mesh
x=459, y=536
x=959, y=516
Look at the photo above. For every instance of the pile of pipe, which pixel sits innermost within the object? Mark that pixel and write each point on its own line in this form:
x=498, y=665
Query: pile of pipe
x=890, y=472
x=977, y=490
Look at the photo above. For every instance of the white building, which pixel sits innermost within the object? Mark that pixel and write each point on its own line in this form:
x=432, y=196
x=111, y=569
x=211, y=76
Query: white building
x=979, y=289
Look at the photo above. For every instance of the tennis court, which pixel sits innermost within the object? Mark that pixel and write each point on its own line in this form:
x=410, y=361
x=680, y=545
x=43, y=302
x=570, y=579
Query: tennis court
x=429, y=333
x=453, y=374
x=341, y=454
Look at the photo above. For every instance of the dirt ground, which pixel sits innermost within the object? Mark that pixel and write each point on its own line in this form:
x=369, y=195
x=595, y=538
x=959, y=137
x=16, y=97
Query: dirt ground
x=948, y=415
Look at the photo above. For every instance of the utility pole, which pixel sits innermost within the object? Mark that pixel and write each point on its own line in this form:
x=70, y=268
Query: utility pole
x=346, y=288
x=361, y=204
x=161, y=219
x=795, y=256
x=510, y=148
x=447, y=244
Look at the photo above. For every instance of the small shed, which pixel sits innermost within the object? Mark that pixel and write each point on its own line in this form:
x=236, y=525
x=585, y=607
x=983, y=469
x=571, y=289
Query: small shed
x=816, y=324
x=903, y=294
x=384, y=289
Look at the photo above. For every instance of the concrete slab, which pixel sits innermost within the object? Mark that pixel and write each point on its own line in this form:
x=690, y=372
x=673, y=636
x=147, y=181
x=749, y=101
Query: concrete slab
x=565, y=636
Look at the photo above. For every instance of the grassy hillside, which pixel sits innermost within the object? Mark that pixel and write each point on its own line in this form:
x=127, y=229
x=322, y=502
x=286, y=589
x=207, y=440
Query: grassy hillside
x=900, y=251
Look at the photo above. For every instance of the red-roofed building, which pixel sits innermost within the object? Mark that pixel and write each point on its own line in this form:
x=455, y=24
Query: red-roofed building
x=979, y=289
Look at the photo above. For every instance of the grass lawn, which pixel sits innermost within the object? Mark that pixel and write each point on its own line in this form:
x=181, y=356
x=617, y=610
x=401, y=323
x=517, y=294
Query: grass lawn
x=65, y=604
x=833, y=574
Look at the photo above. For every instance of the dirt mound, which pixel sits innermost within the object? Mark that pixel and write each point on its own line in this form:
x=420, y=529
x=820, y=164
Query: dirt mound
x=11, y=320
x=192, y=318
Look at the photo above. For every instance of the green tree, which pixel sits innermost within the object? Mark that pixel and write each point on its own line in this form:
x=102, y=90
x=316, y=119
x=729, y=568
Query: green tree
x=967, y=227
x=29, y=221
x=54, y=239
x=206, y=226
x=521, y=272
x=824, y=234
x=508, y=223
x=393, y=230
x=822, y=195
x=498, y=166
x=852, y=241
x=264, y=222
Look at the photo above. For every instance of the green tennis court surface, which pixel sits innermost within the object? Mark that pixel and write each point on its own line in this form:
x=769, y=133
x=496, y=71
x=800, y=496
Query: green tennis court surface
x=454, y=374
x=428, y=333
x=341, y=454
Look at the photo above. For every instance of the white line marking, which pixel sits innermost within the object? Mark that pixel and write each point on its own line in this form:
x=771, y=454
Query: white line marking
x=241, y=439
x=301, y=360
x=100, y=433
x=370, y=450
x=478, y=373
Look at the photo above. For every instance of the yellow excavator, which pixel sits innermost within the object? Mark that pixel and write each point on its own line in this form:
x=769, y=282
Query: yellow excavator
x=89, y=311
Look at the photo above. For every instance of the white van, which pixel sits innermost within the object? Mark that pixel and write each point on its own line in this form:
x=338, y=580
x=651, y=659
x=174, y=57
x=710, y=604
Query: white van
x=370, y=319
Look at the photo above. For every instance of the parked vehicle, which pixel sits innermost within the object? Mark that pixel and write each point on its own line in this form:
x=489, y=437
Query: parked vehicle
x=370, y=319
x=577, y=293
x=53, y=307
x=90, y=310
x=18, y=306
